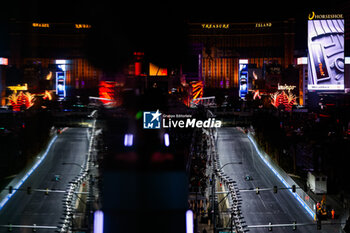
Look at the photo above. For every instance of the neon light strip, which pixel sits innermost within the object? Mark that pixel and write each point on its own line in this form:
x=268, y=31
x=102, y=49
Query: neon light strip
x=98, y=221
x=189, y=221
x=166, y=140
x=302, y=203
x=128, y=139
x=25, y=177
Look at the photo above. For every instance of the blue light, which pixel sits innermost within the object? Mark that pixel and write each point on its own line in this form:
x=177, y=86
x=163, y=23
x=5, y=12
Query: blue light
x=189, y=221
x=25, y=177
x=61, y=84
x=61, y=62
x=98, y=221
x=296, y=196
x=166, y=140
x=128, y=139
x=60, y=87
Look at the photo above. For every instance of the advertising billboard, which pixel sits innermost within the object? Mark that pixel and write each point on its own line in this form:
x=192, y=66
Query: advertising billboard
x=326, y=52
x=243, y=78
x=61, y=84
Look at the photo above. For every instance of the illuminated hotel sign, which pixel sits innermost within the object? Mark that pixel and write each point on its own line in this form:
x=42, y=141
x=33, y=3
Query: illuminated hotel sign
x=79, y=25
x=326, y=52
x=215, y=26
x=263, y=25
x=41, y=25
x=313, y=16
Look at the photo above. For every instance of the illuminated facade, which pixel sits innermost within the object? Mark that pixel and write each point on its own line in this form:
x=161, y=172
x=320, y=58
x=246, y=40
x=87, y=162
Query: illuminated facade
x=219, y=46
x=36, y=46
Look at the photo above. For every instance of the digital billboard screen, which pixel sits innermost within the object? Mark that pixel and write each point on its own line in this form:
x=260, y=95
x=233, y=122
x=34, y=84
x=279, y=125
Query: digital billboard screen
x=61, y=84
x=326, y=53
x=243, y=78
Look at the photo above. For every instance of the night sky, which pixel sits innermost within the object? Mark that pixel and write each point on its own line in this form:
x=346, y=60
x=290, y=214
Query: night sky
x=121, y=28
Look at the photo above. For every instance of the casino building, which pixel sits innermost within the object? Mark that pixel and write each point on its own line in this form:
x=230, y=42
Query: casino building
x=37, y=50
x=218, y=47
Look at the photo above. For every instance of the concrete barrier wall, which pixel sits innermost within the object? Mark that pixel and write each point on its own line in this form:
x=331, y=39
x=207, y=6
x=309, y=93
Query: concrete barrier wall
x=303, y=198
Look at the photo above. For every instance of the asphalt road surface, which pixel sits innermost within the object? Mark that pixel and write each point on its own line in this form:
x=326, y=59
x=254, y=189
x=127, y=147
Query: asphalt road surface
x=46, y=210
x=279, y=208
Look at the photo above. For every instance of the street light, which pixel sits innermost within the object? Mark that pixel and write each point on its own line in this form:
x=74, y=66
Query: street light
x=217, y=170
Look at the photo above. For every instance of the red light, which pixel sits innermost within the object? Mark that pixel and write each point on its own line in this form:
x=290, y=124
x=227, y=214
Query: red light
x=138, y=63
x=139, y=53
x=107, y=91
x=18, y=100
x=282, y=98
x=137, y=68
x=324, y=115
x=158, y=157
